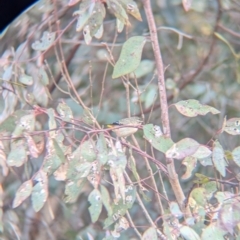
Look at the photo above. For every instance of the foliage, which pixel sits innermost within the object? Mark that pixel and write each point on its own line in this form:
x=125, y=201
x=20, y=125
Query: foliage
x=71, y=69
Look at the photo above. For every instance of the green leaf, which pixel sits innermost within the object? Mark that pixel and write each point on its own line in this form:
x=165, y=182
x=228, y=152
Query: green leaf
x=23, y=192
x=45, y=42
x=199, y=195
x=96, y=19
x=183, y=148
x=118, y=181
x=26, y=79
x=96, y=205
x=130, y=195
x=188, y=233
x=236, y=155
x=82, y=20
x=3, y=163
x=18, y=155
x=175, y=210
x=149, y=95
x=229, y=216
x=88, y=151
x=106, y=199
x=210, y=188
x=54, y=158
x=120, y=26
x=232, y=126
x=43, y=77
x=73, y=189
x=26, y=123
x=146, y=66
x=33, y=150
x=120, y=208
x=190, y=162
x=130, y=56
x=9, y=124
x=102, y=150
x=51, y=121
x=156, y=139
x=119, y=12
x=150, y=233
x=40, y=191
x=131, y=7
x=192, y=108
x=65, y=112
x=212, y=232
x=218, y=158
x=40, y=93
x=202, y=152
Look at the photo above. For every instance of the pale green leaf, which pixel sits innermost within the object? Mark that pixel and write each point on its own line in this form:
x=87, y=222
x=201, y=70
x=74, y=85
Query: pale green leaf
x=43, y=77
x=3, y=161
x=102, y=151
x=236, y=155
x=188, y=233
x=45, y=42
x=190, y=162
x=119, y=12
x=18, y=155
x=146, y=66
x=199, y=195
x=54, y=158
x=175, y=210
x=131, y=7
x=40, y=93
x=73, y=190
x=120, y=25
x=106, y=199
x=23, y=192
x=26, y=79
x=87, y=34
x=232, y=126
x=9, y=124
x=218, y=158
x=96, y=205
x=202, y=152
x=150, y=233
x=39, y=196
x=183, y=148
x=130, y=56
x=212, y=232
x=26, y=123
x=65, y=112
x=192, y=108
x=156, y=139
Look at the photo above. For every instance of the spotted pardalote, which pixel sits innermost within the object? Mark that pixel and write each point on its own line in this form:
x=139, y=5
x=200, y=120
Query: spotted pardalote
x=121, y=131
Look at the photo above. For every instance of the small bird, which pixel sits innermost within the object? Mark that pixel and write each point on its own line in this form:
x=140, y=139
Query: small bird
x=126, y=131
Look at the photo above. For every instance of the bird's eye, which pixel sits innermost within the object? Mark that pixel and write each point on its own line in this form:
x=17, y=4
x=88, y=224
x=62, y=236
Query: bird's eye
x=116, y=123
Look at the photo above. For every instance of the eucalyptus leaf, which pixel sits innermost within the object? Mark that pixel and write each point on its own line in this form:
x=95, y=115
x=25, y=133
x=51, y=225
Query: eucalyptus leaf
x=23, y=192
x=96, y=205
x=218, y=158
x=150, y=233
x=130, y=56
x=158, y=141
x=192, y=108
x=45, y=42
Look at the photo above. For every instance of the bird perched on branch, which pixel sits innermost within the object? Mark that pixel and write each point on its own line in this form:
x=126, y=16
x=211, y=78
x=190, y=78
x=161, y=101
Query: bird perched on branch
x=125, y=126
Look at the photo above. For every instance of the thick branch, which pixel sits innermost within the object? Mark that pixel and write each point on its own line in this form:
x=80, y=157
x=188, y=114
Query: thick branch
x=173, y=177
